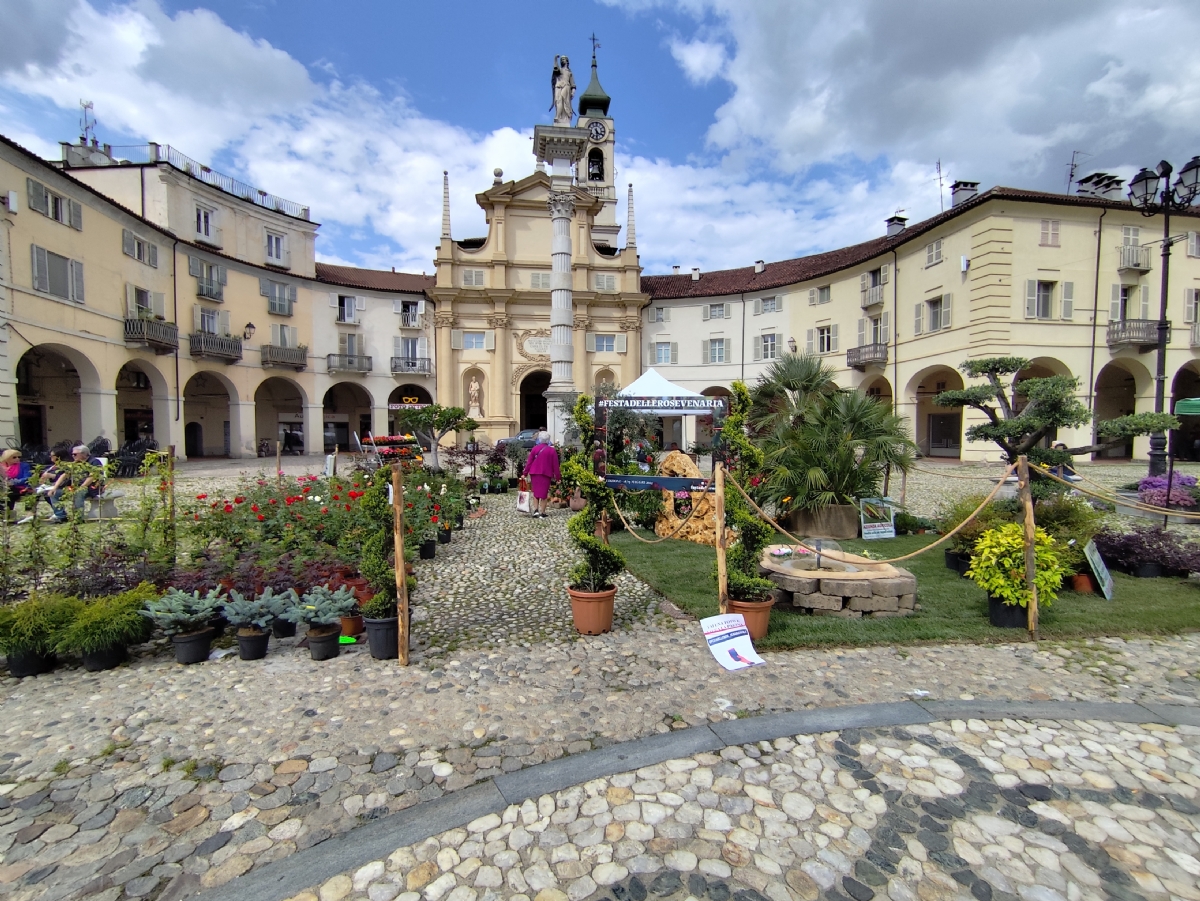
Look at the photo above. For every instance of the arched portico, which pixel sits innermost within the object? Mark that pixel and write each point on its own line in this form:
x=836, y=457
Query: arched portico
x=209, y=429
x=405, y=394
x=61, y=398
x=938, y=430
x=279, y=405
x=1123, y=386
x=346, y=411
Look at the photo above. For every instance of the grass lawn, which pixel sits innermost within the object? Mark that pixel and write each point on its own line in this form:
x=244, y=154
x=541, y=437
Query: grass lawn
x=952, y=608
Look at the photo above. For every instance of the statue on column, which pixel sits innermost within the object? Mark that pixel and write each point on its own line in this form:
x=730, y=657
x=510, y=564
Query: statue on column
x=562, y=84
x=473, y=405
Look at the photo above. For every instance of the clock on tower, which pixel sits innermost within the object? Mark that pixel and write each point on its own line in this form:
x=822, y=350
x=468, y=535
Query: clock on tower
x=596, y=130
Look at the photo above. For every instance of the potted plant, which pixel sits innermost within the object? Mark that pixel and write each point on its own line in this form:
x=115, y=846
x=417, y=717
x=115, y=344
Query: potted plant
x=591, y=582
x=515, y=455
x=252, y=618
x=1147, y=552
x=186, y=620
x=383, y=627
x=280, y=603
x=30, y=631
x=322, y=608
x=998, y=567
x=104, y=628
x=960, y=546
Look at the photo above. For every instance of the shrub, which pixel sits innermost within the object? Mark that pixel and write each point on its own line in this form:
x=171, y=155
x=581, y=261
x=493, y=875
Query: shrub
x=36, y=625
x=907, y=523
x=998, y=565
x=180, y=613
x=111, y=622
x=1072, y=522
x=1147, y=544
x=279, y=602
x=249, y=613
x=642, y=507
x=322, y=606
x=601, y=563
x=1153, y=490
x=379, y=607
x=993, y=515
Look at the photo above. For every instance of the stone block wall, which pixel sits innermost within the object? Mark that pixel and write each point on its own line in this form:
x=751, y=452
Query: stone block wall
x=837, y=595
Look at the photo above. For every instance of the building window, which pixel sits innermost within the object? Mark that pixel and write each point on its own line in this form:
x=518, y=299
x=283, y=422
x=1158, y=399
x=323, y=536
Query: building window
x=606, y=344
x=472, y=278
x=1129, y=302
x=205, y=222
x=770, y=304
x=60, y=209
x=281, y=297
x=209, y=319
x=823, y=294
x=410, y=312
x=540, y=281
x=1049, y=233
x=660, y=314
x=1044, y=301
x=825, y=339
x=716, y=350
x=770, y=346
x=605, y=282
x=935, y=315
x=57, y=275
x=1131, y=235
x=874, y=391
x=473, y=341
x=716, y=311
x=876, y=334
x=595, y=164
x=140, y=250
x=274, y=248
x=347, y=308
x=407, y=348
x=933, y=253
x=666, y=353
x=932, y=315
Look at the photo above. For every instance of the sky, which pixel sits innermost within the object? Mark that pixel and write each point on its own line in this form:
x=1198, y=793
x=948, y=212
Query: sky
x=750, y=129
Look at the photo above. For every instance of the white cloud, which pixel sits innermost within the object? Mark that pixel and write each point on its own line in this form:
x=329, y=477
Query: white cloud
x=701, y=61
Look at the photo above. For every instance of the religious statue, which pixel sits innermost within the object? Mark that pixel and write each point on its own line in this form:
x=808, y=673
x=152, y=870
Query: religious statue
x=562, y=84
x=473, y=390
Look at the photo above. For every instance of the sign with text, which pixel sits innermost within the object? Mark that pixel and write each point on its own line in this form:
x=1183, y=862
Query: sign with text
x=1096, y=562
x=878, y=517
x=663, y=483
x=663, y=405
x=729, y=641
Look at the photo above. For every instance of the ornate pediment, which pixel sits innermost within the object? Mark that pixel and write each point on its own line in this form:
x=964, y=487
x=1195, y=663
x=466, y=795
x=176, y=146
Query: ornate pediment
x=534, y=344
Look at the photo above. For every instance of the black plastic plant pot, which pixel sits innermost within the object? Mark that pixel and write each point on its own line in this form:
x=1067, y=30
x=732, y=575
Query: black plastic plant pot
x=504, y=487
x=1006, y=616
x=253, y=647
x=484, y=488
x=324, y=647
x=513, y=482
x=192, y=648
x=105, y=658
x=951, y=559
x=1148, y=570
x=444, y=536
x=458, y=522
x=964, y=563
x=428, y=549
x=25, y=664
x=383, y=637
x=281, y=628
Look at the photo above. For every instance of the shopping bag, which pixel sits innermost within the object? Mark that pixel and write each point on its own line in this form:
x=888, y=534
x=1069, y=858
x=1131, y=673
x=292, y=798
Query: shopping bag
x=523, y=502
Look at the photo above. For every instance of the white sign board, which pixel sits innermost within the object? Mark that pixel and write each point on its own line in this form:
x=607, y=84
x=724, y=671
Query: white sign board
x=878, y=517
x=729, y=641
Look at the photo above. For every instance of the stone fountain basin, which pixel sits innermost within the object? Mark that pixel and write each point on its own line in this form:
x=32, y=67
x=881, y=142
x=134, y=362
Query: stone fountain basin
x=846, y=584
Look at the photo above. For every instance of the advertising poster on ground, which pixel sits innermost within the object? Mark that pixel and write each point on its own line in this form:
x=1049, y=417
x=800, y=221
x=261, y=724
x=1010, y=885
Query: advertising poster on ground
x=729, y=641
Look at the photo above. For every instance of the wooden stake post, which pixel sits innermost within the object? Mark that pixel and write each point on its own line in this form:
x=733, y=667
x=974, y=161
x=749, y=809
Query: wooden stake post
x=171, y=541
x=719, y=522
x=1026, y=492
x=279, y=463
x=401, y=574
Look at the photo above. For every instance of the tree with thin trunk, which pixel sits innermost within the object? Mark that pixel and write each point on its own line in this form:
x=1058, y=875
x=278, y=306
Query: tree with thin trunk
x=1021, y=413
x=434, y=422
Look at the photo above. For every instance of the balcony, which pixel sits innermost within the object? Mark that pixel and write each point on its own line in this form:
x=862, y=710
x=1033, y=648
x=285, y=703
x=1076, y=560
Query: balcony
x=281, y=262
x=1133, y=258
x=411, y=365
x=212, y=239
x=344, y=318
x=348, y=363
x=285, y=357
x=603, y=192
x=861, y=357
x=412, y=320
x=215, y=347
x=871, y=296
x=161, y=337
x=279, y=306
x=1196, y=334
x=1139, y=333
x=210, y=288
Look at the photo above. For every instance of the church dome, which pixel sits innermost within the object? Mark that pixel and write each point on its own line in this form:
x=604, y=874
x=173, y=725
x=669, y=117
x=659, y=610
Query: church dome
x=594, y=102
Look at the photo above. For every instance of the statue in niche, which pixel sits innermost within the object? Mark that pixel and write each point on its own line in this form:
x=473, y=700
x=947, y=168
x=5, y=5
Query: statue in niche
x=473, y=402
x=562, y=85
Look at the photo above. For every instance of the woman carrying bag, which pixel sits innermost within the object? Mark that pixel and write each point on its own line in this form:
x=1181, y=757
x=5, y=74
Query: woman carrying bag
x=541, y=466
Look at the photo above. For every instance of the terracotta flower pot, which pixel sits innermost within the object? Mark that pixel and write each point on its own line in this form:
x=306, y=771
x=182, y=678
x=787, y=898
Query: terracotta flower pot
x=757, y=615
x=1081, y=583
x=592, y=610
x=578, y=501
x=352, y=625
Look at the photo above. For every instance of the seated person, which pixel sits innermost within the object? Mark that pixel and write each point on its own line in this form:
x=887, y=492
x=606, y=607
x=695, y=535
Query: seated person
x=1065, y=470
x=51, y=486
x=16, y=477
x=88, y=483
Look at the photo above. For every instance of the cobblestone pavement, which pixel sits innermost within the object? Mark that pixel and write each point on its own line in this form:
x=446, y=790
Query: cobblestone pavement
x=972, y=810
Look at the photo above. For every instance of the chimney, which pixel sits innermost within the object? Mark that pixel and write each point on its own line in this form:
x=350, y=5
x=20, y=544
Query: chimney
x=759, y=267
x=895, y=225
x=695, y=273
x=674, y=270
x=962, y=191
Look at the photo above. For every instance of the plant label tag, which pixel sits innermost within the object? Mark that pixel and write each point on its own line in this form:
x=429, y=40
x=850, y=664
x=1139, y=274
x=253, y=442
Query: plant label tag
x=729, y=641
x=878, y=517
x=1103, y=576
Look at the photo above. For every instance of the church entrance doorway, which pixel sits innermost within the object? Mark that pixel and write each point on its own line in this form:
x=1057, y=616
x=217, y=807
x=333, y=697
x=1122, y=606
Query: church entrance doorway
x=533, y=400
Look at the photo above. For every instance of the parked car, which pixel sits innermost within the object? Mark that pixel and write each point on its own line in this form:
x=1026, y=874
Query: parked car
x=526, y=438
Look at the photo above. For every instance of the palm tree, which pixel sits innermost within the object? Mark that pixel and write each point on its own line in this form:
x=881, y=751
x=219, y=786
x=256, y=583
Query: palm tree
x=786, y=388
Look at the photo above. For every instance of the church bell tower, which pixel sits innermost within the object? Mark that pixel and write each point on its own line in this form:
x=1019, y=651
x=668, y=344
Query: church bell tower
x=597, y=169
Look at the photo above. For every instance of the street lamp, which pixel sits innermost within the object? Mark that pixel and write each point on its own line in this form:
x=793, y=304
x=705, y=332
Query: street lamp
x=1145, y=194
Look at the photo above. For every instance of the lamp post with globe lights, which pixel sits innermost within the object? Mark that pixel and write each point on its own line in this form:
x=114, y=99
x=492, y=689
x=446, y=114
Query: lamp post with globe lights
x=1152, y=193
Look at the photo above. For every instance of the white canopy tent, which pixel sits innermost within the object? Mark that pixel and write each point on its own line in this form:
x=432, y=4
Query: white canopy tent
x=674, y=400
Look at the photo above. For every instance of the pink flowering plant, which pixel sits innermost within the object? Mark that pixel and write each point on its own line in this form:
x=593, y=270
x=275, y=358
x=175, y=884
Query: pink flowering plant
x=1153, y=490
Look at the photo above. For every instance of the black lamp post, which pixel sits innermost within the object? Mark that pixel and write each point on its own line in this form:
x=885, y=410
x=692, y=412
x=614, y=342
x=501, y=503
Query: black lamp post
x=1145, y=194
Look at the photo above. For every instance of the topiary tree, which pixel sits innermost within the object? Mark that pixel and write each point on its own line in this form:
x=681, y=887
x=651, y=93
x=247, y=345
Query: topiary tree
x=1050, y=404
x=744, y=460
x=601, y=563
x=434, y=422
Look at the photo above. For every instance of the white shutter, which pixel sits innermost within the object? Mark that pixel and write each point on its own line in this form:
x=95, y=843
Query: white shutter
x=666, y=311
x=883, y=274
x=809, y=343
x=75, y=271
x=423, y=347
x=1031, y=299
x=40, y=268
x=75, y=215
x=397, y=346
x=1145, y=301
x=833, y=338
x=1115, y=313
x=704, y=353
x=621, y=343
x=1067, y=308
x=152, y=255
x=589, y=342
x=729, y=354
x=397, y=305
x=704, y=311
x=728, y=311
x=758, y=306
x=128, y=247
x=1045, y=239
x=756, y=342
x=222, y=274
x=158, y=305
x=131, y=309
x=947, y=305
x=812, y=297
x=862, y=331
x=1193, y=249
x=778, y=303
x=885, y=328
x=333, y=300
x=343, y=343
x=489, y=339
x=293, y=336
x=360, y=304
x=39, y=198
x=196, y=318
x=264, y=287
x=291, y=294
x=223, y=324
x=674, y=352
x=1189, y=305
x=456, y=339
x=275, y=336
x=864, y=282
x=420, y=308
x=918, y=317
x=194, y=267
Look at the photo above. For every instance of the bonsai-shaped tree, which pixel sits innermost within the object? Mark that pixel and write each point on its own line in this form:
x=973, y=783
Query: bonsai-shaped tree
x=601, y=563
x=1049, y=404
x=433, y=423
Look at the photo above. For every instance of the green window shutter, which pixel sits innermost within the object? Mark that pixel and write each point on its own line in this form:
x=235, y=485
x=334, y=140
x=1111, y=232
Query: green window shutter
x=1031, y=299
x=1115, y=313
x=1067, y=305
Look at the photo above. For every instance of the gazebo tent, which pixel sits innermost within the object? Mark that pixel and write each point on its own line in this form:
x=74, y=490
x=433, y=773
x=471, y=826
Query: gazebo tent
x=652, y=385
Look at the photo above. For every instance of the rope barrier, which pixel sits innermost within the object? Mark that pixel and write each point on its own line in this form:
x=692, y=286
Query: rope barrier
x=946, y=475
x=662, y=538
x=917, y=553
x=1123, y=502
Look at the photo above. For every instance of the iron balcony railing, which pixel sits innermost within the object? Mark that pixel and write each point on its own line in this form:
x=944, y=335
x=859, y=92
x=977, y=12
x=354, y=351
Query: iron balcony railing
x=1134, y=258
x=1196, y=334
x=348, y=363
x=1136, y=332
x=219, y=347
x=210, y=288
x=292, y=357
x=280, y=306
x=163, y=337
x=411, y=365
x=872, y=296
x=411, y=320
x=214, y=238
x=860, y=357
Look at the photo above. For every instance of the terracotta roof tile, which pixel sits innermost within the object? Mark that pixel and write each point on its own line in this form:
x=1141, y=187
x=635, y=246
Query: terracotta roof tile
x=373, y=279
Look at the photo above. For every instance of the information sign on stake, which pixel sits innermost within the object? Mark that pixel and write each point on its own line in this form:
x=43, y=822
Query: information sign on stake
x=878, y=517
x=1096, y=562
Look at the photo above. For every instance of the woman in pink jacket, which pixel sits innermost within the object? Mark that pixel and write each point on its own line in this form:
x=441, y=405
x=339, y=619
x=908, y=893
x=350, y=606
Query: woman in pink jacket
x=541, y=466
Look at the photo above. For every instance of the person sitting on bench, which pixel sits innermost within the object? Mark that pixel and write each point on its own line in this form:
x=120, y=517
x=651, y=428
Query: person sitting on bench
x=91, y=485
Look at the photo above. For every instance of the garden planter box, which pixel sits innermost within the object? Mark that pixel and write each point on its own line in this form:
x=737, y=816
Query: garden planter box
x=1006, y=616
x=834, y=521
x=106, y=658
x=22, y=665
x=383, y=637
x=192, y=648
x=324, y=645
x=253, y=646
x=592, y=610
x=757, y=615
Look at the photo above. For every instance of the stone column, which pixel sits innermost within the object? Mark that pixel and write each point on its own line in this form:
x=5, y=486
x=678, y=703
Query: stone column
x=584, y=371
x=562, y=305
x=242, y=439
x=500, y=392
x=314, y=429
x=447, y=366
x=98, y=415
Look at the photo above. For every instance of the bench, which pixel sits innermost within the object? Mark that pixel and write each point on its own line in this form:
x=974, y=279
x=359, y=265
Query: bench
x=104, y=506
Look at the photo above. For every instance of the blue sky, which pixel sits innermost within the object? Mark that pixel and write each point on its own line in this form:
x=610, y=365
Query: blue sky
x=750, y=128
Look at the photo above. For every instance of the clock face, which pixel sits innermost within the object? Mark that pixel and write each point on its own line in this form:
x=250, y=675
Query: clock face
x=596, y=130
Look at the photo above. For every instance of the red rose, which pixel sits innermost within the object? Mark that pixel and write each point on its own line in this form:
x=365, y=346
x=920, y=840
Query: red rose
x=197, y=515
x=201, y=497
x=324, y=509
x=336, y=498
x=436, y=507
x=254, y=508
x=307, y=489
x=273, y=501
x=433, y=519
x=347, y=506
x=239, y=499
x=229, y=508
x=261, y=517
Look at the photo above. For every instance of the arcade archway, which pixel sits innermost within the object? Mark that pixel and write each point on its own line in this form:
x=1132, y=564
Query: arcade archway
x=533, y=399
x=347, y=410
